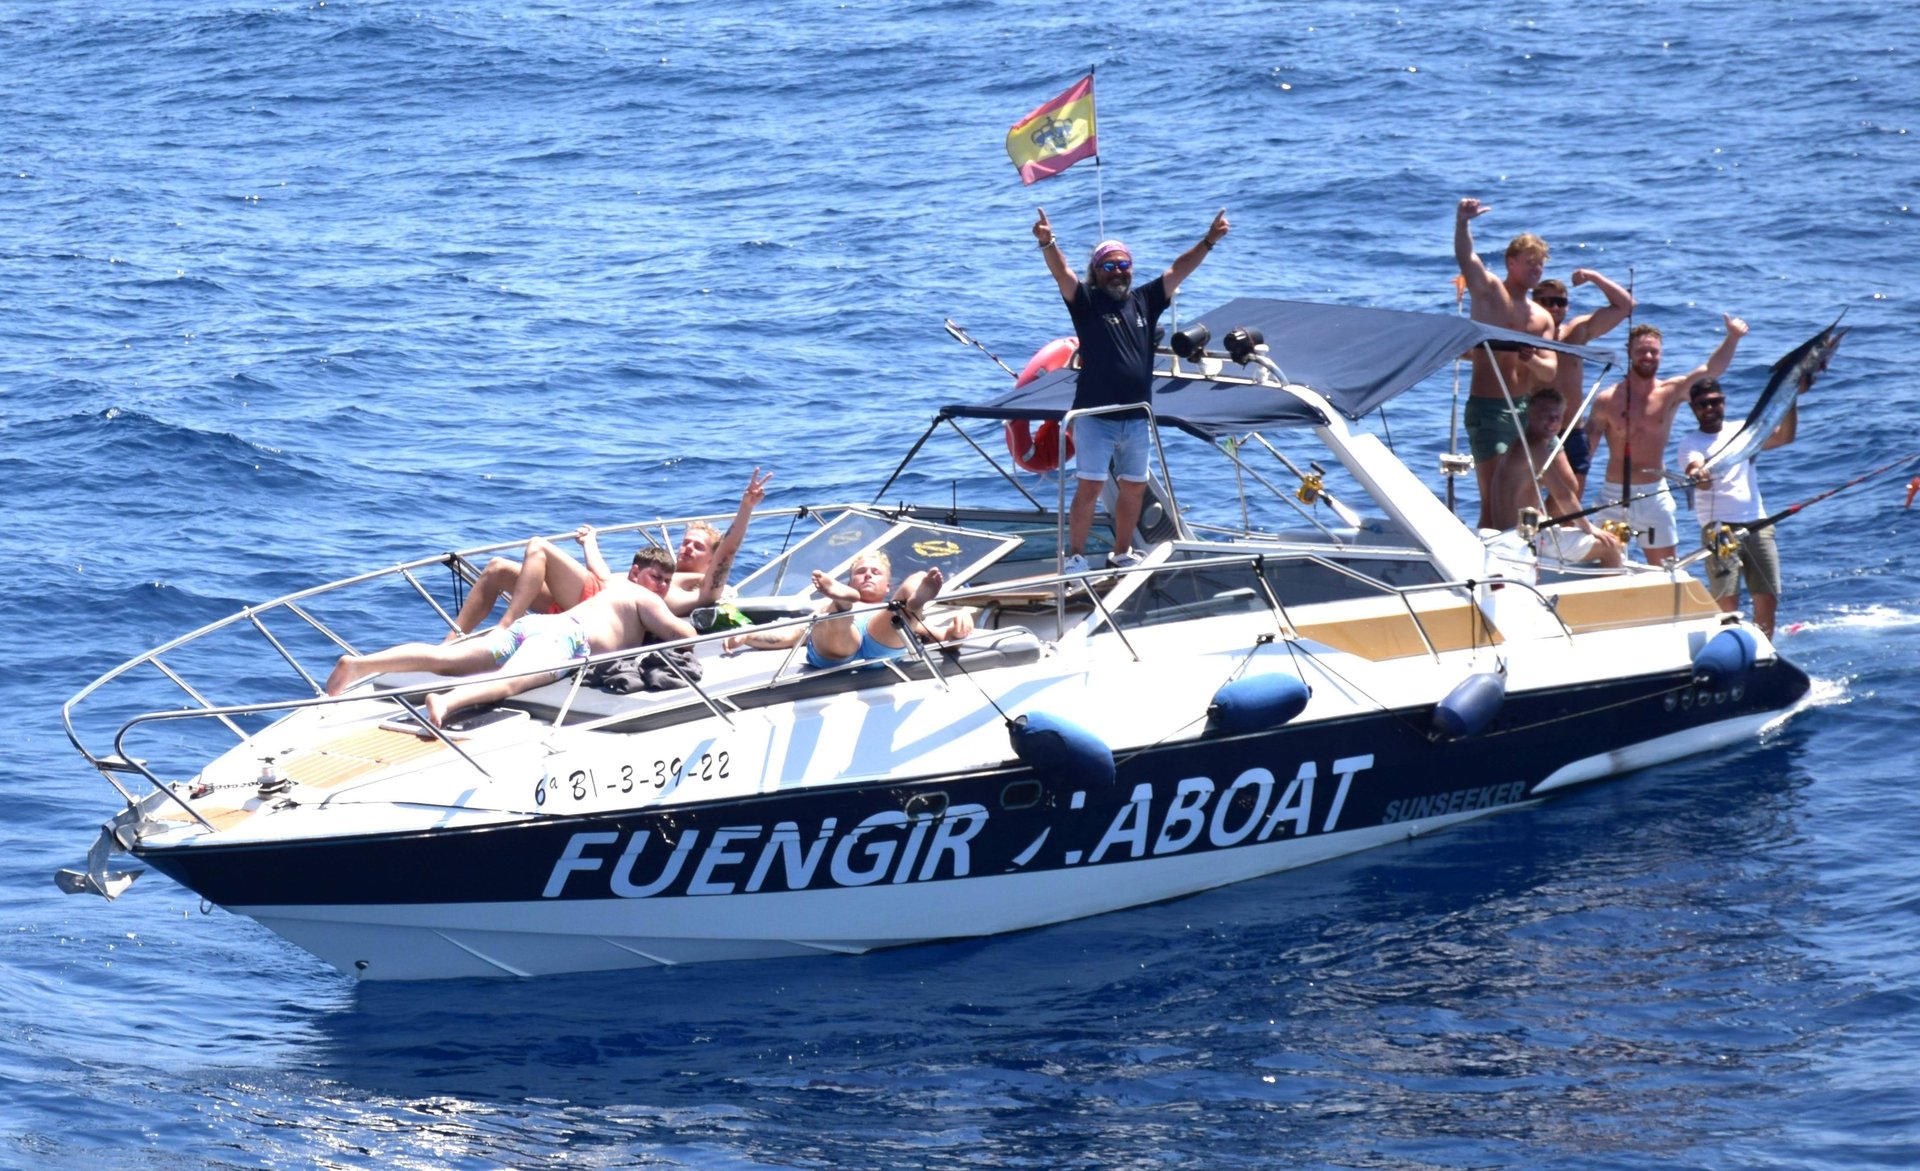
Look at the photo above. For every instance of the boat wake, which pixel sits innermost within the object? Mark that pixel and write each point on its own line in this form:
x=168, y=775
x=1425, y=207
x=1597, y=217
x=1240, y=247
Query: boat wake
x=1870, y=617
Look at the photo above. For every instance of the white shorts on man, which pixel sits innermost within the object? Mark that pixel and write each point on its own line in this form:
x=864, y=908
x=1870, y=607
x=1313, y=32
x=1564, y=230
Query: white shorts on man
x=1653, y=518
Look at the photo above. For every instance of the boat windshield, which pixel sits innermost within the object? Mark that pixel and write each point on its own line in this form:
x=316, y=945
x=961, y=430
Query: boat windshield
x=910, y=546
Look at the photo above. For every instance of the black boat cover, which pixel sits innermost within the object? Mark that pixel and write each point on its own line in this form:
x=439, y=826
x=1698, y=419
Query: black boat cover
x=1353, y=356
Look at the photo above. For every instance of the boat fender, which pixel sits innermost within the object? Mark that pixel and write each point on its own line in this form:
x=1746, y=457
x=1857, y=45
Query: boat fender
x=1254, y=703
x=1049, y=744
x=1726, y=658
x=1039, y=450
x=1471, y=706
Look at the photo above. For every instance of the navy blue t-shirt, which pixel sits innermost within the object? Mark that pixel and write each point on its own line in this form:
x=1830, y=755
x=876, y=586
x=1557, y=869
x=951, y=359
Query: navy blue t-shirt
x=1116, y=344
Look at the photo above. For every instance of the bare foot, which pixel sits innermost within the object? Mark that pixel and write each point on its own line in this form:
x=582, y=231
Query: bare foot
x=841, y=594
x=436, y=705
x=924, y=589
x=346, y=672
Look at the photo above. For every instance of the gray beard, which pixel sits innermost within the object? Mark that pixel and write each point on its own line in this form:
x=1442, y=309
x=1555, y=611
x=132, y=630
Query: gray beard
x=1117, y=287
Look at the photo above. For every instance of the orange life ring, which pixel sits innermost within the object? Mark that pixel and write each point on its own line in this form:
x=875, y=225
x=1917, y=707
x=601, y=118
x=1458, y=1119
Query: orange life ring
x=1039, y=450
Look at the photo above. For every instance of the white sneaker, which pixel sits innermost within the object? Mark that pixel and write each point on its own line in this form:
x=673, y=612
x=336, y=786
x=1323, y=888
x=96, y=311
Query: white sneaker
x=1126, y=560
x=1076, y=564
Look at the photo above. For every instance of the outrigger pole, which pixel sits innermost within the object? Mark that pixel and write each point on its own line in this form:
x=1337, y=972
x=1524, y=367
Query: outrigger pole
x=1626, y=426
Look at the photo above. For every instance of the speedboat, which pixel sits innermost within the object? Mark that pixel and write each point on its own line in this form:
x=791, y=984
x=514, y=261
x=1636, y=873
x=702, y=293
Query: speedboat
x=1347, y=666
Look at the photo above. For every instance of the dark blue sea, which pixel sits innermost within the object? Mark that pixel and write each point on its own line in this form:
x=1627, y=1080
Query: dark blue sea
x=292, y=290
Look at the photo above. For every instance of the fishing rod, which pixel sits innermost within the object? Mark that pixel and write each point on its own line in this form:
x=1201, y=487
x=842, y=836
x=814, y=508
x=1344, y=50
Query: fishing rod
x=1722, y=539
x=1606, y=504
x=961, y=336
x=1626, y=418
x=1451, y=465
x=1754, y=526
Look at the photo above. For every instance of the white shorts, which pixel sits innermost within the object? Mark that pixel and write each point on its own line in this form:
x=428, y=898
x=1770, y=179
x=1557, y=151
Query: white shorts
x=1654, y=521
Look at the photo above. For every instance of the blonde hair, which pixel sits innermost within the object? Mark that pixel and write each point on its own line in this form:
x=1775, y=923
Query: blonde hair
x=875, y=557
x=701, y=526
x=1527, y=244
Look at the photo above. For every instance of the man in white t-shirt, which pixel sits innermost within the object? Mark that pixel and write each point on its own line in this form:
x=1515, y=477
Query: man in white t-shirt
x=1731, y=496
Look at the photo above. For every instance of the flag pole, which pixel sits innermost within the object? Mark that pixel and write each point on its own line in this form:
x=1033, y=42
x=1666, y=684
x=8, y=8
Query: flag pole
x=1099, y=181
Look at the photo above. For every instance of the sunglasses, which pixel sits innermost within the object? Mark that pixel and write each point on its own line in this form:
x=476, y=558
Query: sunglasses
x=1116, y=266
x=1552, y=302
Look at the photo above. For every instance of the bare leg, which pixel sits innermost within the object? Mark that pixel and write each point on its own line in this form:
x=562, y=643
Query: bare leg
x=1660, y=555
x=1086, y=497
x=443, y=704
x=1483, y=470
x=913, y=596
x=497, y=578
x=837, y=637
x=456, y=659
x=1765, y=606
x=548, y=578
x=1126, y=513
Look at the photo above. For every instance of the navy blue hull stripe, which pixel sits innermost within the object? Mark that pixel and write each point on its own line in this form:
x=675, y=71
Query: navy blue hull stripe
x=1214, y=794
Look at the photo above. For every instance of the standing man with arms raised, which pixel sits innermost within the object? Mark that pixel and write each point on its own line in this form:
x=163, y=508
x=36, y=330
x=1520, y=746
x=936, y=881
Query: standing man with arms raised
x=1570, y=372
x=1115, y=323
x=1731, y=495
x=1644, y=432
x=1491, y=428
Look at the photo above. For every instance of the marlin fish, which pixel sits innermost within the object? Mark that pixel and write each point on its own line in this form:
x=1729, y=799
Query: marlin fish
x=1791, y=376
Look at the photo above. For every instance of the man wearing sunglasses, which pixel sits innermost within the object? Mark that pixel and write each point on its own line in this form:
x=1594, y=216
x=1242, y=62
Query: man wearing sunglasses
x=1570, y=372
x=1115, y=321
x=1731, y=495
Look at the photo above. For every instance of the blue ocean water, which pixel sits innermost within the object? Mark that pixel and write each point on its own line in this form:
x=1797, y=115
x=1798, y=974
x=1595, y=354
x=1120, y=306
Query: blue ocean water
x=298, y=289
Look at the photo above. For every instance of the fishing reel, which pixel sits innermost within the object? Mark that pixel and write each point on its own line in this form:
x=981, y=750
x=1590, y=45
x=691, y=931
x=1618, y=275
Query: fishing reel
x=1313, y=483
x=1622, y=531
x=1724, y=540
x=1529, y=526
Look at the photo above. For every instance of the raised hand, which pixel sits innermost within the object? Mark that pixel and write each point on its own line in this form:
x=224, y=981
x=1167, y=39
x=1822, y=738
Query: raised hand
x=756, y=489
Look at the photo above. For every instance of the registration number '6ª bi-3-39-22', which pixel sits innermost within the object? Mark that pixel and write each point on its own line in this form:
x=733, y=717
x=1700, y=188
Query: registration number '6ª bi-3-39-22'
x=586, y=783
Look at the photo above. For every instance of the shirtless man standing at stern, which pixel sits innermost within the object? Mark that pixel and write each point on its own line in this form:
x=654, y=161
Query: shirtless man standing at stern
x=1570, y=375
x=1491, y=429
x=1655, y=401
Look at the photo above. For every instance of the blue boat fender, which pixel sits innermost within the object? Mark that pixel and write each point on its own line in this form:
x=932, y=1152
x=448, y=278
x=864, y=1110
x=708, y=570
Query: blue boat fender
x=1471, y=706
x=1049, y=744
x=1254, y=703
x=1726, y=658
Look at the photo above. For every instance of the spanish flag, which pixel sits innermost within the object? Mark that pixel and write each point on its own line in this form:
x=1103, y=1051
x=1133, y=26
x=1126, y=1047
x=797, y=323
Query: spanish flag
x=1057, y=135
